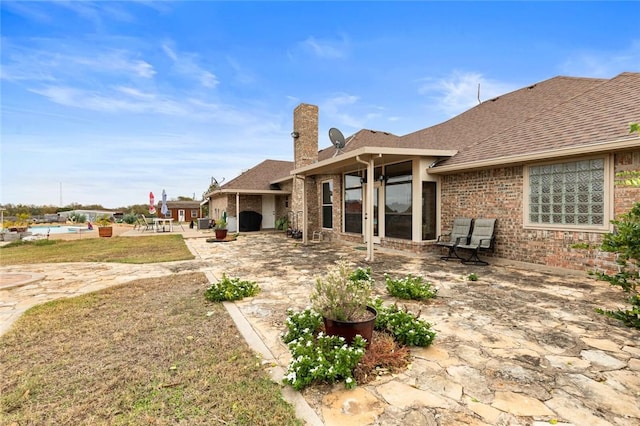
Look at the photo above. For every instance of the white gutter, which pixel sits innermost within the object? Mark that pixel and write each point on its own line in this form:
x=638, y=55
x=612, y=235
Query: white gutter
x=249, y=191
x=543, y=155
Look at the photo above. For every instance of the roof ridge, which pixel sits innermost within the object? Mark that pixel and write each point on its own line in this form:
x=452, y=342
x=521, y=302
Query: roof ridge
x=573, y=106
x=542, y=111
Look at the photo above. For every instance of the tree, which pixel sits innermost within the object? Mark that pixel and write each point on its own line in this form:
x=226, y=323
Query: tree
x=625, y=242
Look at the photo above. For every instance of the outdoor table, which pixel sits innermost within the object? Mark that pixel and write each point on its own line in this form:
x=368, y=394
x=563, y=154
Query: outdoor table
x=160, y=224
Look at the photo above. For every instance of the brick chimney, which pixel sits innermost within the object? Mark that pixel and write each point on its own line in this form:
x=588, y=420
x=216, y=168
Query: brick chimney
x=305, y=126
x=305, y=152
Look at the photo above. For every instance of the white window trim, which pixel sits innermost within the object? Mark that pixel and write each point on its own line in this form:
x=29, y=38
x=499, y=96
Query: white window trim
x=343, y=199
x=608, y=212
x=322, y=204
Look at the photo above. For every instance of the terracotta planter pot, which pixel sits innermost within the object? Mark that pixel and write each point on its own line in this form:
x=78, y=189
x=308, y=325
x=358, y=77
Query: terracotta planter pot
x=349, y=329
x=221, y=234
x=105, y=231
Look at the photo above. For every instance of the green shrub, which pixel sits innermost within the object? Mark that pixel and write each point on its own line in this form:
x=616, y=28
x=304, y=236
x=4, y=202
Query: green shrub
x=323, y=358
x=315, y=356
x=630, y=317
x=472, y=276
x=301, y=323
x=282, y=223
x=129, y=218
x=410, y=287
x=231, y=289
x=405, y=327
x=77, y=218
x=626, y=243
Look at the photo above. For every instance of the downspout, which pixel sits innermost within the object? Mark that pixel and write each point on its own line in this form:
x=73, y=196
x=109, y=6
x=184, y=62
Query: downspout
x=368, y=233
x=305, y=238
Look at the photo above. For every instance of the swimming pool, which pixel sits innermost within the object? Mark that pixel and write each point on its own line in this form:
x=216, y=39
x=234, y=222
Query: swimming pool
x=56, y=229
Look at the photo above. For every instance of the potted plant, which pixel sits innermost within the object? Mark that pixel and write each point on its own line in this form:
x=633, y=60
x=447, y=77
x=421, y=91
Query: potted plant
x=105, y=228
x=343, y=298
x=221, y=228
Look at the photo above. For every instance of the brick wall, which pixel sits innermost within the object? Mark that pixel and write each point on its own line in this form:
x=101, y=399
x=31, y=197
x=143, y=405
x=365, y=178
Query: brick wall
x=305, y=146
x=498, y=193
x=247, y=202
x=626, y=195
x=337, y=202
x=283, y=202
x=305, y=150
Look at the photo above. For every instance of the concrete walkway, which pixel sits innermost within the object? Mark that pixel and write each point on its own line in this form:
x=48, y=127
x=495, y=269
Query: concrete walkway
x=520, y=346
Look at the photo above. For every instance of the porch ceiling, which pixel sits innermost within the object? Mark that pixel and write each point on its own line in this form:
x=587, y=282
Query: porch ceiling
x=381, y=155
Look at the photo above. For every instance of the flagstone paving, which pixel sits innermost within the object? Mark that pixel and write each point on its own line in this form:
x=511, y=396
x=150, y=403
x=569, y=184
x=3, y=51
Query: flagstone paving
x=520, y=346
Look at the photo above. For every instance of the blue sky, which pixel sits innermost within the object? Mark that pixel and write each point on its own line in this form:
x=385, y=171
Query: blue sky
x=105, y=101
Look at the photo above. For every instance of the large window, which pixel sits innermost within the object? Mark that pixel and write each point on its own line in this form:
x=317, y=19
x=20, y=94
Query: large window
x=568, y=194
x=327, y=204
x=428, y=210
x=398, y=200
x=353, y=203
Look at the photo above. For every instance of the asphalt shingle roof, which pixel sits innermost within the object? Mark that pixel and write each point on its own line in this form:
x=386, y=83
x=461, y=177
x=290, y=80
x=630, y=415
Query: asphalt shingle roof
x=494, y=115
x=258, y=178
x=561, y=112
x=364, y=137
x=601, y=114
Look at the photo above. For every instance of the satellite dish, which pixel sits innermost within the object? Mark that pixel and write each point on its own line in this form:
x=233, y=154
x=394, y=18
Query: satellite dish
x=337, y=138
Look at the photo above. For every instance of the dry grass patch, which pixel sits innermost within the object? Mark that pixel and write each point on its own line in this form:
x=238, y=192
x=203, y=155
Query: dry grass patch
x=383, y=356
x=151, y=352
x=160, y=248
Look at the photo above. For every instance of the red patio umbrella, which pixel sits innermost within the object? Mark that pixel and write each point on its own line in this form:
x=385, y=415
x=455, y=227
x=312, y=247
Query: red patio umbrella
x=152, y=207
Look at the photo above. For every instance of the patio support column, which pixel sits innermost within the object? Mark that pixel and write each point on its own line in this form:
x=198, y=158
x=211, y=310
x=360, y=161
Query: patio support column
x=238, y=212
x=305, y=225
x=369, y=210
x=368, y=207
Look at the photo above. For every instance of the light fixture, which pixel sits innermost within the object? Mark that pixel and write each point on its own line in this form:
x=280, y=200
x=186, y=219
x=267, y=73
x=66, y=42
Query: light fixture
x=382, y=178
x=295, y=135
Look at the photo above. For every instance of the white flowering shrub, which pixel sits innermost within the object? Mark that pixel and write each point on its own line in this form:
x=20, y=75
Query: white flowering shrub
x=405, y=327
x=412, y=287
x=323, y=358
x=301, y=323
x=231, y=289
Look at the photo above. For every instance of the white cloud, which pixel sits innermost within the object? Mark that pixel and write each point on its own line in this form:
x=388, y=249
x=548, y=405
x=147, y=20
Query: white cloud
x=326, y=49
x=135, y=93
x=51, y=60
x=241, y=74
x=208, y=79
x=29, y=10
x=187, y=65
x=116, y=61
x=112, y=102
x=350, y=114
x=603, y=64
x=338, y=110
x=169, y=52
x=459, y=91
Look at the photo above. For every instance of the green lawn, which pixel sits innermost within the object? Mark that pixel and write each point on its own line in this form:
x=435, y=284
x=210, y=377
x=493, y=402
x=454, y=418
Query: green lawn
x=149, y=352
x=160, y=248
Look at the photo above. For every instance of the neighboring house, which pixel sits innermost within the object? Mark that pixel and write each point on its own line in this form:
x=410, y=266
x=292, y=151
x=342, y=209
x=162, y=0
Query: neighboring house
x=181, y=211
x=264, y=189
x=541, y=160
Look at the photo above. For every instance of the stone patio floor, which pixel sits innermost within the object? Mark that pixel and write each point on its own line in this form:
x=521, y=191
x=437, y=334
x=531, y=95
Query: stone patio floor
x=520, y=346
